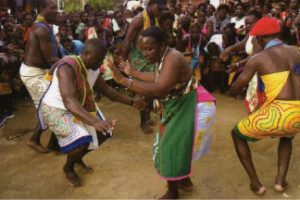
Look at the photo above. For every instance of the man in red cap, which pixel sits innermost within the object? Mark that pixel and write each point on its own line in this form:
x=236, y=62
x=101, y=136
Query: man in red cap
x=278, y=66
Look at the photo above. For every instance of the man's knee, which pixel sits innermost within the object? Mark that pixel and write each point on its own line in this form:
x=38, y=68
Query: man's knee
x=79, y=149
x=236, y=136
x=234, y=133
x=84, y=147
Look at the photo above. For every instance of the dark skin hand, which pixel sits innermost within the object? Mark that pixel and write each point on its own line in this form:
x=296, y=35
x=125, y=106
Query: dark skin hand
x=175, y=70
x=114, y=95
x=144, y=76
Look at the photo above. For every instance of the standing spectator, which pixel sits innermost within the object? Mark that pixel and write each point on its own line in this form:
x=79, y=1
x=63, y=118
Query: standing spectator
x=19, y=9
x=28, y=22
x=222, y=17
x=119, y=36
x=166, y=21
x=82, y=23
x=296, y=33
x=75, y=22
x=294, y=5
x=239, y=19
x=190, y=12
x=205, y=25
x=210, y=9
x=6, y=109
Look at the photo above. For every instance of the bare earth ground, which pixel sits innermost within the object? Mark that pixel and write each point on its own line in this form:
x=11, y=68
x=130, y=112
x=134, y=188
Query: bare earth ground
x=124, y=168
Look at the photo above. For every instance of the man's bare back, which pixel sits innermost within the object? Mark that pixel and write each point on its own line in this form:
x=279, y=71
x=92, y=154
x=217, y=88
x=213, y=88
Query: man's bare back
x=39, y=50
x=278, y=59
x=133, y=33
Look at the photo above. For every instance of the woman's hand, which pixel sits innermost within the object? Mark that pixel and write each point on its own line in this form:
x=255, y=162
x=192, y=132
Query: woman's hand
x=117, y=75
x=125, y=66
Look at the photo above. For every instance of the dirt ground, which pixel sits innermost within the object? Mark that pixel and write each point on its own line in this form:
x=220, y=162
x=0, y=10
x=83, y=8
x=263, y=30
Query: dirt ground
x=123, y=165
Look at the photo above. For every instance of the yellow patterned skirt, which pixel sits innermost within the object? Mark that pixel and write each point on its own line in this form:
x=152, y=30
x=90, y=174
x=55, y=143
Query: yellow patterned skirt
x=277, y=119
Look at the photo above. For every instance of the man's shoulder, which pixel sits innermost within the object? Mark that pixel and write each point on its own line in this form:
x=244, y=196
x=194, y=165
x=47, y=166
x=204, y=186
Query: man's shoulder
x=284, y=48
x=138, y=20
x=258, y=59
x=39, y=28
x=292, y=48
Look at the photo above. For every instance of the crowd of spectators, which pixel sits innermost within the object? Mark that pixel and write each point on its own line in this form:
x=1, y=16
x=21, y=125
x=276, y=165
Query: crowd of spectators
x=201, y=32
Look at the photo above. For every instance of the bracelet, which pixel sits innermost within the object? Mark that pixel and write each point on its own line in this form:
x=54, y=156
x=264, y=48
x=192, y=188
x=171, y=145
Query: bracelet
x=130, y=83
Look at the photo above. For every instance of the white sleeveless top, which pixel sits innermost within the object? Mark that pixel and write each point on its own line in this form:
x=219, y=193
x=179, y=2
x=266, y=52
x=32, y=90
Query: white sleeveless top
x=53, y=98
x=249, y=45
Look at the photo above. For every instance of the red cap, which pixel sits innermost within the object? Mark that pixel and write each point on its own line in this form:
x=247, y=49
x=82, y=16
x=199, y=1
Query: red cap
x=265, y=26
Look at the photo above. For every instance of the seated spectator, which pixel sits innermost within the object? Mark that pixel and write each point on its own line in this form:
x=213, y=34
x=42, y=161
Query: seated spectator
x=70, y=47
x=217, y=76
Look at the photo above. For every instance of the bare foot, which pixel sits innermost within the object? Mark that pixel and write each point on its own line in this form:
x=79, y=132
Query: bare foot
x=186, y=185
x=281, y=187
x=72, y=177
x=147, y=129
x=37, y=147
x=170, y=195
x=85, y=168
x=258, y=188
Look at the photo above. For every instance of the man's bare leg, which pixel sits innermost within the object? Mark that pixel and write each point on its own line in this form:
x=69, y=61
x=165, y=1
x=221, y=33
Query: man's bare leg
x=173, y=192
x=244, y=154
x=53, y=143
x=284, y=157
x=35, y=141
x=145, y=117
x=145, y=114
x=73, y=157
x=84, y=167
